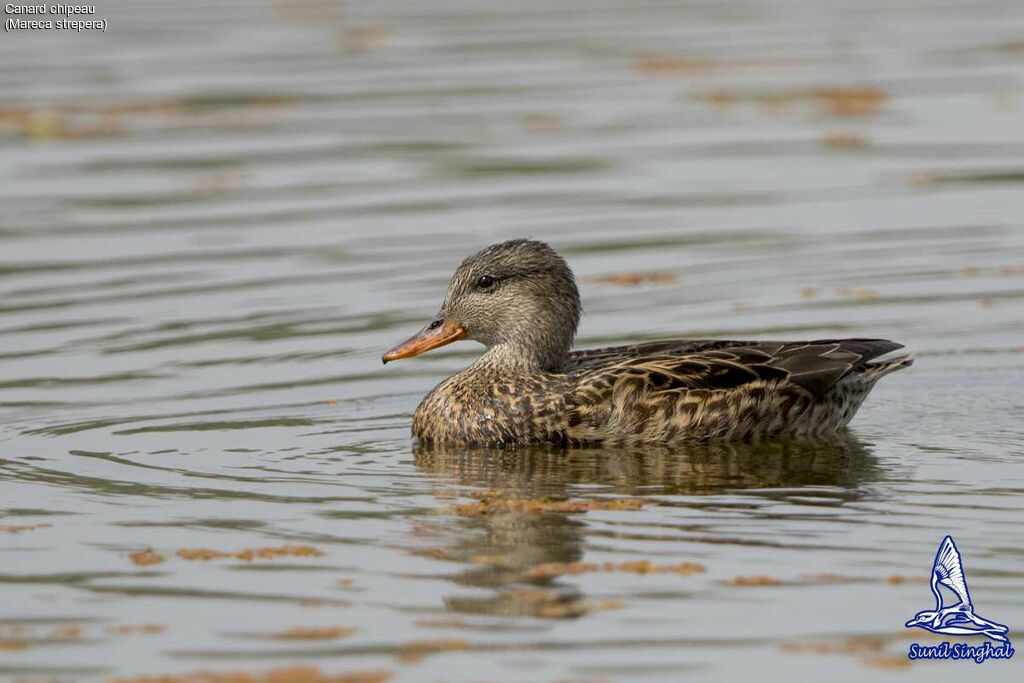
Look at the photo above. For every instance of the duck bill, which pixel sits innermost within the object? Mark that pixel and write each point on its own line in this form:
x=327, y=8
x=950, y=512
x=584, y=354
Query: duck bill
x=433, y=336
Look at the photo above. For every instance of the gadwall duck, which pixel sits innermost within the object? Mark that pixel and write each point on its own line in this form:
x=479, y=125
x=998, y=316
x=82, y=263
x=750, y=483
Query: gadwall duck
x=519, y=299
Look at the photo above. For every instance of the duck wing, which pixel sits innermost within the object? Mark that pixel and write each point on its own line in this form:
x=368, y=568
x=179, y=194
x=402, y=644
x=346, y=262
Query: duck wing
x=657, y=390
x=815, y=366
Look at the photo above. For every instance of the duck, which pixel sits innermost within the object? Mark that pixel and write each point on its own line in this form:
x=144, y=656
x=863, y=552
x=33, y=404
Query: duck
x=520, y=300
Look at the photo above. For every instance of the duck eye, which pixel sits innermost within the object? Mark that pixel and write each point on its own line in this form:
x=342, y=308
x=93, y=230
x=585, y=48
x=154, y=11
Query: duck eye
x=485, y=281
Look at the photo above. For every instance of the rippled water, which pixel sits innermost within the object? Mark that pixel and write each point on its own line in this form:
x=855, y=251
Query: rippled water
x=213, y=220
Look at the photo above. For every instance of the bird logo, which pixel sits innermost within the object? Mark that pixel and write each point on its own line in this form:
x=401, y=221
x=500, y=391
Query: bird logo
x=956, y=619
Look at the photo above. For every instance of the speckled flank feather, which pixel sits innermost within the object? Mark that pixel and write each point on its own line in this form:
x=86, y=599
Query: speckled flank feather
x=660, y=392
x=696, y=391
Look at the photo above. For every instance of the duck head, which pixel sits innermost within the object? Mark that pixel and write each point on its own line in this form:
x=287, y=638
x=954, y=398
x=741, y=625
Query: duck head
x=517, y=298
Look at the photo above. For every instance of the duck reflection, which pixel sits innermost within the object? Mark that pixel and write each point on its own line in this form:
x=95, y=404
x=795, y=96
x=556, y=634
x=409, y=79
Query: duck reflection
x=504, y=544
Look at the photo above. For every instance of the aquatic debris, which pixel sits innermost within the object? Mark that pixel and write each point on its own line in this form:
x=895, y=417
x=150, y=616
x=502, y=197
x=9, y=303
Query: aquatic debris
x=293, y=674
x=752, y=581
x=634, y=279
x=65, y=633
x=494, y=502
x=146, y=557
x=18, y=528
x=363, y=38
x=135, y=629
x=855, y=101
x=853, y=644
x=896, y=579
x=11, y=645
x=888, y=661
x=825, y=578
x=448, y=622
x=416, y=650
x=345, y=581
x=313, y=633
x=806, y=579
x=972, y=271
x=538, y=123
x=16, y=630
x=859, y=293
x=924, y=178
x=554, y=569
x=75, y=121
x=721, y=98
x=838, y=102
x=653, y=65
x=920, y=178
x=808, y=292
x=661, y=65
x=844, y=140
x=216, y=182
x=249, y=554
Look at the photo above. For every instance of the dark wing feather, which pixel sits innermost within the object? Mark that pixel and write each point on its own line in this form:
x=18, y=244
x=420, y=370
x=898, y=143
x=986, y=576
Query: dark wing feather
x=814, y=366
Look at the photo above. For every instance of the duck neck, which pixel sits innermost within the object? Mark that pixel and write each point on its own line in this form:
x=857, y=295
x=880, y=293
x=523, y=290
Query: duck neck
x=513, y=357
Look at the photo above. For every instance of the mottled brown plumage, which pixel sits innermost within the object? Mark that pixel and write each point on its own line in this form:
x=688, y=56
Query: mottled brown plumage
x=519, y=299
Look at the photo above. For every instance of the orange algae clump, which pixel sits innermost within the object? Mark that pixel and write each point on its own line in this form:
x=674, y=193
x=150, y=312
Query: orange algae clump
x=897, y=579
x=859, y=293
x=537, y=123
x=249, y=554
x=552, y=569
x=18, y=528
x=132, y=629
x=417, y=649
x=146, y=557
x=654, y=65
x=839, y=102
x=448, y=622
x=825, y=578
x=844, y=140
x=294, y=674
x=66, y=632
x=491, y=503
x=634, y=279
x=856, y=644
x=856, y=101
x=314, y=633
x=754, y=581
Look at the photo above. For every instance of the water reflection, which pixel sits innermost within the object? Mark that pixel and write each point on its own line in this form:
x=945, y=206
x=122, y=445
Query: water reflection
x=505, y=544
x=547, y=471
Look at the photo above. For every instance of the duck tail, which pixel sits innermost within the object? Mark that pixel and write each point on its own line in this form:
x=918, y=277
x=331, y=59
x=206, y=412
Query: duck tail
x=888, y=363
